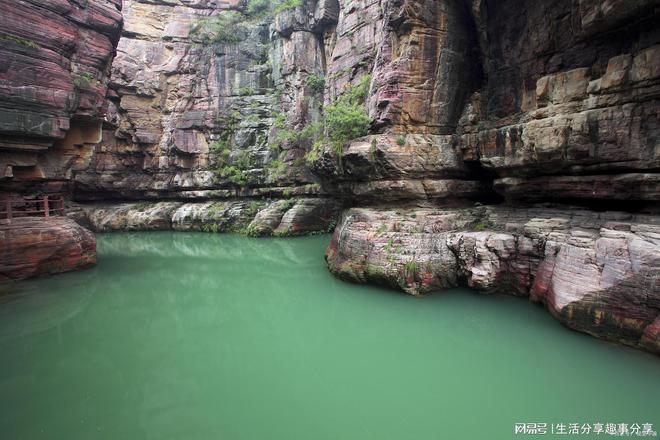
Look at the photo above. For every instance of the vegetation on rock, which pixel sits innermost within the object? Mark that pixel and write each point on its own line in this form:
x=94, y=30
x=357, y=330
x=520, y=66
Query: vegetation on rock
x=229, y=27
x=343, y=120
x=226, y=28
x=83, y=80
x=316, y=83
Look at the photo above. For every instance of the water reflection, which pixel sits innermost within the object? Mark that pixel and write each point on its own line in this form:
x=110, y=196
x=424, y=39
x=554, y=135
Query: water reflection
x=204, y=336
x=201, y=245
x=27, y=308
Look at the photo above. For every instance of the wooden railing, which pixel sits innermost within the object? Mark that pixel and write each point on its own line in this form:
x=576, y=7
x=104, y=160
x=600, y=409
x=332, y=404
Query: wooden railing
x=31, y=206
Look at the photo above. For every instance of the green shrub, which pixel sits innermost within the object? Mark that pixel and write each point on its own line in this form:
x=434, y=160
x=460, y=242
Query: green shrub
x=344, y=122
x=233, y=169
x=308, y=133
x=220, y=150
x=276, y=169
x=213, y=228
x=346, y=118
x=479, y=227
x=83, y=80
x=401, y=140
x=316, y=83
x=288, y=204
x=226, y=28
x=332, y=224
x=253, y=208
x=246, y=91
x=410, y=268
x=285, y=5
x=280, y=121
x=257, y=7
x=357, y=94
x=233, y=174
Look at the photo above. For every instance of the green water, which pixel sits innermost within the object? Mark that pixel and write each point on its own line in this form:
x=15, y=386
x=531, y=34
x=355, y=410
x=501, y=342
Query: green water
x=197, y=336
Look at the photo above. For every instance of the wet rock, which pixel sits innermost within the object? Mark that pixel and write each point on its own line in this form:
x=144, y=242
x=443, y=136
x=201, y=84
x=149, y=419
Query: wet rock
x=142, y=216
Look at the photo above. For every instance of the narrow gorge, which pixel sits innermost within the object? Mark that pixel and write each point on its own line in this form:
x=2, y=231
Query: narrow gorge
x=508, y=146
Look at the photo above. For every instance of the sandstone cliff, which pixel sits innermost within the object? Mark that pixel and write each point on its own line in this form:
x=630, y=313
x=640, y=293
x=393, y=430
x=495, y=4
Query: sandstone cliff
x=196, y=115
x=511, y=104
x=56, y=57
x=507, y=145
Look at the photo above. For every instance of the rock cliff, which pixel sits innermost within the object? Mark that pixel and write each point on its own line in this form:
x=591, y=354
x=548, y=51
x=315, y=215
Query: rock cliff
x=206, y=97
x=507, y=145
x=545, y=112
x=56, y=58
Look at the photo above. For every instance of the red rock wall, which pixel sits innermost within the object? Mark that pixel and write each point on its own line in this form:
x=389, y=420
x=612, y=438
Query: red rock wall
x=31, y=246
x=545, y=101
x=56, y=56
x=174, y=98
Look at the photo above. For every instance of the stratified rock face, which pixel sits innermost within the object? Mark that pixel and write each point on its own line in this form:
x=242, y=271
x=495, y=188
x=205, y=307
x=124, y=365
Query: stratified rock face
x=31, y=246
x=427, y=66
x=516, y=102
x=186, y=110
x=255, y=218
x=56, y=57
x=538, y=100
x=596, y=273
x=569, y=109
x=195, y=118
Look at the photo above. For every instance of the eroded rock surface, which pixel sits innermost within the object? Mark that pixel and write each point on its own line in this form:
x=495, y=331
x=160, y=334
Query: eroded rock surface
x=55, y=63
x=511, y=103
x=32, y=246
x=207, y=124
x=250, y=217
x=56, y=57
x=596, y=273
x=539, y=101
x=190, y=118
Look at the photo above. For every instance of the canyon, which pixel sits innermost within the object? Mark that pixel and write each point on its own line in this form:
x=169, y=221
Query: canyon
x=508, y=146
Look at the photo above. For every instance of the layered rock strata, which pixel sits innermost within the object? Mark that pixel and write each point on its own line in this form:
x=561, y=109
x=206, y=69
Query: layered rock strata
x=596, y=273
x=284, y=217
x=56, y=58
x=511, y=104
x=53, y=80
x=551, y=101
x=34, y=246
x=198, y=116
